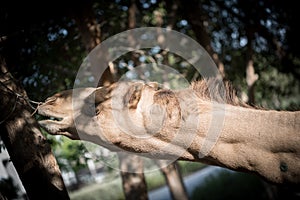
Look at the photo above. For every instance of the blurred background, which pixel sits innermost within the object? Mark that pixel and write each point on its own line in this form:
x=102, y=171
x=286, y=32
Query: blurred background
x=254, y=44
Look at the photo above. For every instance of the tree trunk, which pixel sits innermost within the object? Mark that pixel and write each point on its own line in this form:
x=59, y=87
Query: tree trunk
x=172, y=8
x=170, y=171
x=131, y=170
x=199, y=24
x=90, y=32
x=174, y=179
x=134, y=184
x=28, y=148
x=251, y=76
x=132, y=166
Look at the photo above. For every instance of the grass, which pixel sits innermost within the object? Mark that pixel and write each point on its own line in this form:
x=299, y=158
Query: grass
x=186, y=168
x=225, y=185
x=112, y=189
x=154, y=180
x=104, y=191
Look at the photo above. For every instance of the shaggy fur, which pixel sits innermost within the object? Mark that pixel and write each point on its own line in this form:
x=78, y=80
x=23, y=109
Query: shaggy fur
x=217, y=90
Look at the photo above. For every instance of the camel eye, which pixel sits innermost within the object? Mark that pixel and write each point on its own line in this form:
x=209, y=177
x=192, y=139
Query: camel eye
x=50, y=99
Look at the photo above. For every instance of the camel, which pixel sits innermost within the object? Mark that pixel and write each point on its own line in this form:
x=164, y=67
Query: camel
x=205, y=122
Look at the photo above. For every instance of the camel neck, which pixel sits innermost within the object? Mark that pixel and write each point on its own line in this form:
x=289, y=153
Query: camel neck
x=264, y=141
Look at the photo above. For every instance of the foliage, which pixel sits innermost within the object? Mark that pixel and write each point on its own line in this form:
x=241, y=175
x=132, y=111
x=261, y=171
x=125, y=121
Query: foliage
x=187, y=167
x=154, y=179
x=46, y=51
x=71, y=155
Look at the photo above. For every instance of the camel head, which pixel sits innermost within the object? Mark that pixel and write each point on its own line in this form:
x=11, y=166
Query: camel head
x=104, y=115
x=58, y=112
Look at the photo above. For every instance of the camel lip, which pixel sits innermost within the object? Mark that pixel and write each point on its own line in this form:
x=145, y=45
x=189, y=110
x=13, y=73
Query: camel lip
x=49, y=116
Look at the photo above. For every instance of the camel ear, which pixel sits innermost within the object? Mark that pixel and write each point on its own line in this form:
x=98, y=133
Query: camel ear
x=100, y=94
x=132, y=97
x=97, y=96
x=154, y=85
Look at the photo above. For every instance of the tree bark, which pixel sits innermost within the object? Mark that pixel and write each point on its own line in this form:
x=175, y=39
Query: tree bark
x=174, y=180
x=133, y=179
x=90, y=32
x=171, y=173
x=199, y=24
x=172, y=8
x=28, y=148
x=251, y=76
x=132, y=166
x=134, y=184
x=132, y=10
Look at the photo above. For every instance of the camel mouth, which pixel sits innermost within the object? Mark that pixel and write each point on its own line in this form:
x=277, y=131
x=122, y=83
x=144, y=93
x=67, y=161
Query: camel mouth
x=49, y=116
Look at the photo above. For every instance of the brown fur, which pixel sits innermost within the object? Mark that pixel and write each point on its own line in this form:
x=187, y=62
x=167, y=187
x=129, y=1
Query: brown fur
x=217, y=90
x=133, y=96
x=168, y=99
